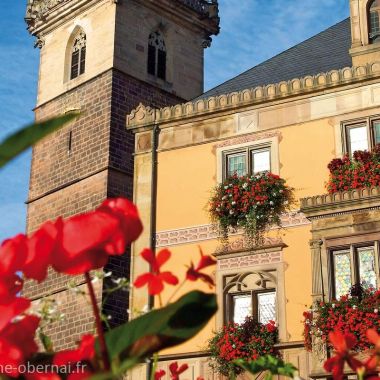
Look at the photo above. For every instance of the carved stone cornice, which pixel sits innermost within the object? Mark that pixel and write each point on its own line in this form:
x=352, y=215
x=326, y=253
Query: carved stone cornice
x=36, y=10
x=326, y=205
x=257, y=95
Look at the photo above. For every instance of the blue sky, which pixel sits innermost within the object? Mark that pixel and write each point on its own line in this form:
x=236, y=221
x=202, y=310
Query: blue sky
x=252, y=31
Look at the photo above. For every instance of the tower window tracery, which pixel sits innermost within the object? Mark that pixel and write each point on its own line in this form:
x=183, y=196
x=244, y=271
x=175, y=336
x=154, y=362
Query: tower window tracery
x=157, y=55
x=78, y=55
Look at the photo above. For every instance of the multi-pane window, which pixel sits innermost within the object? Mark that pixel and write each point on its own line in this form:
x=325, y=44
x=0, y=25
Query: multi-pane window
x=157, y=56
x=78, y=55
x=362, y=135
x=373, y=21
x=354, y=265
x=247, y=161
x=259, y=304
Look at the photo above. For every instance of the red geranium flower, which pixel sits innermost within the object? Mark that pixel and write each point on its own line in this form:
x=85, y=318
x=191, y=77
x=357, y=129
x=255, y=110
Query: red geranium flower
x=10, y=286
x=13, y=255
x=175, y=371
x=155, y=279
x=130, y=224
x=17, y=344
x=81, y=242
x=12, y=309
x=342, y=344
x=374, y=360
x=85, y=351
x=40, y=249
x=159, y=374
x=193, y=274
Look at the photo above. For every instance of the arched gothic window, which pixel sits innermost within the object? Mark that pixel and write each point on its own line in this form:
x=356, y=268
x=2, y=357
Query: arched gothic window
x=78, y=55
x=373, y=21
x=157, y=56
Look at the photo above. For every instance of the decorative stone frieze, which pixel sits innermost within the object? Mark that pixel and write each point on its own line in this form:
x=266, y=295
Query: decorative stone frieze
x=204, y=232
x=297, y=86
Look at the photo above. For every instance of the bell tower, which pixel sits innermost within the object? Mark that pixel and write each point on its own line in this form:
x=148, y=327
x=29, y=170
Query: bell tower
x=365, y=31
x=102, y=58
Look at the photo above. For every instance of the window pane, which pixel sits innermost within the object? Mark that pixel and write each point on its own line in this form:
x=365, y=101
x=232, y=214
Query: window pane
x=367, y=268
x=342, y=272
x=358, y=138
x=236, y=163
x=151, y=60
x=74, y=64
x=266, y=303
x=260, y=161
x=376, y=131
x=241, y=307
x=374, y=26
x=161, y=64
x=82, y=60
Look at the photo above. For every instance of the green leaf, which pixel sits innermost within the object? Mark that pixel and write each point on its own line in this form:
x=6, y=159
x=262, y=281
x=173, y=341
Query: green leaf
x=273, y=365
x=18, y=142
x=162, y=328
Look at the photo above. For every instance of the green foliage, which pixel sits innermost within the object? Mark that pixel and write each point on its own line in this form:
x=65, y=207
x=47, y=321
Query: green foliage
x=268, y=363
x=162, y=328
x=18, y=142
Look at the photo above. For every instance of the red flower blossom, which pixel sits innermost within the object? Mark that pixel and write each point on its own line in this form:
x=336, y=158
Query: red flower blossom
x=81, y=242
x=159, y=374
x=374, y=360
x=85, y=351
x=175, y=371
x=85, y=241
x=11, y=310
x=271, y=326
x=10, y=286
x=17, y=344
x=130, y=224
x=193, y=274
x=13, y=255
x=342, y=344
x=40, y=249
x=155, y=279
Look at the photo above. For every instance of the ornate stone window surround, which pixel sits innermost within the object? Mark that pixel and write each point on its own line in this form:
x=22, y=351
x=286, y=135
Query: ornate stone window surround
x=69, y=82
x=273, y=270
x=367, y=122
x=271, y=142
x=351, y=243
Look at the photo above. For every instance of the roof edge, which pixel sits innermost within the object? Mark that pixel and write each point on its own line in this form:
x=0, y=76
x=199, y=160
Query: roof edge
x=144, y=116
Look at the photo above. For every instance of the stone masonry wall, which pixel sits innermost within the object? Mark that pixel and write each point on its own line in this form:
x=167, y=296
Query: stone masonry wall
x=98, y=165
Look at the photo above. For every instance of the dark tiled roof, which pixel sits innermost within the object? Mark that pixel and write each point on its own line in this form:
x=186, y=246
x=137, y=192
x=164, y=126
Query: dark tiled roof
x=326, y=51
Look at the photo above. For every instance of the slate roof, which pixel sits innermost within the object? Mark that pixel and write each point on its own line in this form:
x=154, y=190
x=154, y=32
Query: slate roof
x=325, y=51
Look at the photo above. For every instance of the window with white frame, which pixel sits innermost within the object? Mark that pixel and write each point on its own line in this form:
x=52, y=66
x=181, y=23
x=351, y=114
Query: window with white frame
x=352, y=265
x=361, y=134
x=250, y=294
x=247, y=160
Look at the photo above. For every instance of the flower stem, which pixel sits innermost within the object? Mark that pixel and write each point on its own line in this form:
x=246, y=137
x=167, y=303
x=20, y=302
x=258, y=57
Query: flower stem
x=95, y=309
x=176, y=291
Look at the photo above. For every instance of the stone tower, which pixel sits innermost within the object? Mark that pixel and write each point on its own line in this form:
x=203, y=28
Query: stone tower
x=104, y=57
x=365, y=31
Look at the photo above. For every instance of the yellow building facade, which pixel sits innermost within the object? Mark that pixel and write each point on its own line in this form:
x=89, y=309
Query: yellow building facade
x=299, y=125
